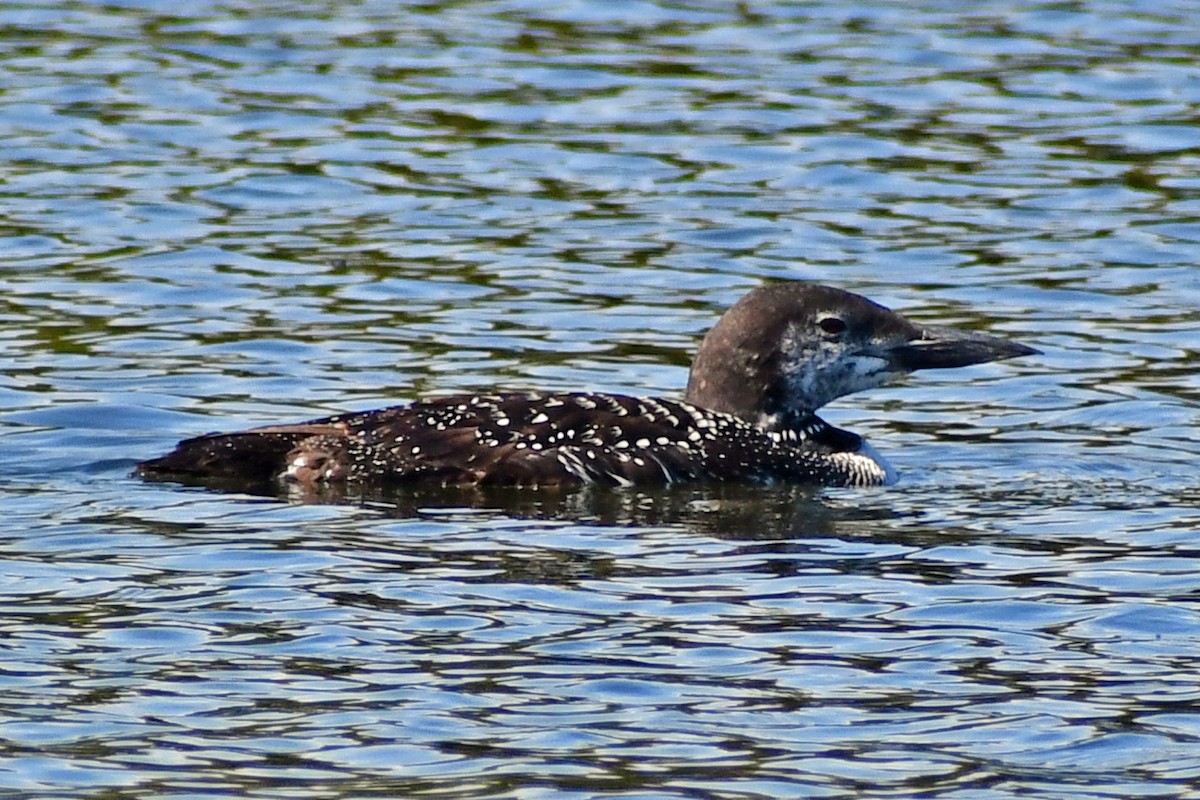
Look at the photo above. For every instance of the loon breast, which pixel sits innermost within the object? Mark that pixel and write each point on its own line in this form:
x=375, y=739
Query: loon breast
x=749, y=414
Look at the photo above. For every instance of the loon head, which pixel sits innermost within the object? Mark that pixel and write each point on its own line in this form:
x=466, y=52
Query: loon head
x=785, y=350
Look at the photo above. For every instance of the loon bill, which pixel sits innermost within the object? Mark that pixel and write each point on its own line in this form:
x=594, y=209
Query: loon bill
x=774, y=358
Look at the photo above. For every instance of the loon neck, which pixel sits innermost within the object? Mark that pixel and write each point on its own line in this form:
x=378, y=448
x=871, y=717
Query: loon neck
x=742, y=368
x=785, y=350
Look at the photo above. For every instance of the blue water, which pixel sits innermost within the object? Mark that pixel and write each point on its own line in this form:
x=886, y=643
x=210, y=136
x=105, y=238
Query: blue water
x=238, y=214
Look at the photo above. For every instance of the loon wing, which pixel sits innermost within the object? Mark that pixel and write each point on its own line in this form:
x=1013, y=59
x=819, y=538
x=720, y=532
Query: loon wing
x=531, y=439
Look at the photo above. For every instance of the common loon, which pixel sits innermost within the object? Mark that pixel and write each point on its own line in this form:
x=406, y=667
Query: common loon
x=774, y=358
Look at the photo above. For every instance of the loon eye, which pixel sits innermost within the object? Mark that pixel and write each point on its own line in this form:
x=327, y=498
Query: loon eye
x=832, y=325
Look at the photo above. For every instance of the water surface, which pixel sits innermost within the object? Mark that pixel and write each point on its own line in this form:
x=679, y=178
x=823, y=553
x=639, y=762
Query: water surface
x=238, y=214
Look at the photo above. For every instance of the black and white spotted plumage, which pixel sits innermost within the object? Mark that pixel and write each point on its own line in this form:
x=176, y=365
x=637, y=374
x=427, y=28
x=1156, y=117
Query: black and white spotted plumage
x=531, y=439
x=769, y=363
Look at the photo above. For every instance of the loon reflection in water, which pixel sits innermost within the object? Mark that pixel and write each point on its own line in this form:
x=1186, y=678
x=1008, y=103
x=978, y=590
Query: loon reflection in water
x=774, y=358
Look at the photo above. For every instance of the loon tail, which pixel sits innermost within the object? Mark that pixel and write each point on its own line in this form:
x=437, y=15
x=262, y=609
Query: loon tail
x=254, y=456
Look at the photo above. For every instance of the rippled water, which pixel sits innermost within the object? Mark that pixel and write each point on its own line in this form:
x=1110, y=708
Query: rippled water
x=237, y=214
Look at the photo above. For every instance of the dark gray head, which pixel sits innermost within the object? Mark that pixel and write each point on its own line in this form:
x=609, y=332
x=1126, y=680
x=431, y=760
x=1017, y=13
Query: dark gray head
x=787, y=349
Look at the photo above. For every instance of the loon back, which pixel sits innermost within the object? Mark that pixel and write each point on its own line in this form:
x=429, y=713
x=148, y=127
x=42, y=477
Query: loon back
x=764, y=369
